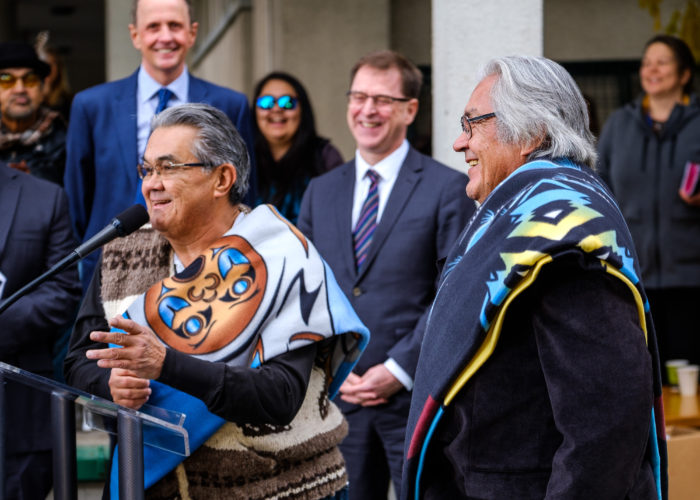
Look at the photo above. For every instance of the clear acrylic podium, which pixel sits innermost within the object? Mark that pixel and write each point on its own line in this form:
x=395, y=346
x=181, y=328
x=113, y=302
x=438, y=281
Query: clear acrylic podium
x=103, y=415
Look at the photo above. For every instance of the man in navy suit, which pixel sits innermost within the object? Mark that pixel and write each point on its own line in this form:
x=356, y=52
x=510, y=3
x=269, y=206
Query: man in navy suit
x=35, y=233
x=110, y=122
x=382, y=221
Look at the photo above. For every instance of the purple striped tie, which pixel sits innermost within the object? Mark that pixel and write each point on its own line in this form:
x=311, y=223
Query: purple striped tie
x=366, y=224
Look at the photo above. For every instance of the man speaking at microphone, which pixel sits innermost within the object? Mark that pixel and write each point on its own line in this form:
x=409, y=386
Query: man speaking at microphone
x=35, y=233
x=226, y=314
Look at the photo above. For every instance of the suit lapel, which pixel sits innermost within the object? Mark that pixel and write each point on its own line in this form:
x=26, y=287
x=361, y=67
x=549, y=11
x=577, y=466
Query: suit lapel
x=408, y=177
x=343, y=217
x=9, y=194
x=124, y=110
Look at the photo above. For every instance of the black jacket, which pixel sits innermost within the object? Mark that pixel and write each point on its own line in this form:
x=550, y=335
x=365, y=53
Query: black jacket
x=46, y=158
x=35, y=233
x=645, y=172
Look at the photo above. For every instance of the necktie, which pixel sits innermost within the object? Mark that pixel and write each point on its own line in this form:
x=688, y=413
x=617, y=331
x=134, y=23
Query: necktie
x=164, y=96
x=367, y=223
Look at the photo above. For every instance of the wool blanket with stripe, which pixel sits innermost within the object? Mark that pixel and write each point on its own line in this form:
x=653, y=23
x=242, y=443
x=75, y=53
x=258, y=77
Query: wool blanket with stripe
x=543, y=211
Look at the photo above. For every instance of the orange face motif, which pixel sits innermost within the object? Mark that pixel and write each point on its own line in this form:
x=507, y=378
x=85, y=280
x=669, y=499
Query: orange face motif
x=209, y=304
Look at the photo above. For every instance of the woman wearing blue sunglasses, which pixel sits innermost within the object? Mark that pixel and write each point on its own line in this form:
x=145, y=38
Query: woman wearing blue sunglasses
x=287, y=149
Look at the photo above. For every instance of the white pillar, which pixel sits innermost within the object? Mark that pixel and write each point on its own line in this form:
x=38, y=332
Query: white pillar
x=466, y=34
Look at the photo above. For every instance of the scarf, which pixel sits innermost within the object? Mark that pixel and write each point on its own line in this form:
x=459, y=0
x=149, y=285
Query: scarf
x=541, y=212
x=41, y=128
x=262, y=290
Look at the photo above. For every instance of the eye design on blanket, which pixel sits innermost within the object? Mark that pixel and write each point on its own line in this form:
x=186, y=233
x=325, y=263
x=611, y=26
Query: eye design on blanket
x=207, y=306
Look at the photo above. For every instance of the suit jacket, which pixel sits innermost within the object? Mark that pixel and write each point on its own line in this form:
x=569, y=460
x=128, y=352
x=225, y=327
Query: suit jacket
x=101, y=179
x=425, y=212
x=35, y=233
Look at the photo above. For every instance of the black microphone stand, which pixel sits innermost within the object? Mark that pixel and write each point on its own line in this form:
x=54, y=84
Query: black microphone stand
x=125, y=223
x=60, y=266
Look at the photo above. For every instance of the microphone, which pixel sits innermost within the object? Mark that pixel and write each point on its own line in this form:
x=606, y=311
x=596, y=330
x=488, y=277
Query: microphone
x=122, y=225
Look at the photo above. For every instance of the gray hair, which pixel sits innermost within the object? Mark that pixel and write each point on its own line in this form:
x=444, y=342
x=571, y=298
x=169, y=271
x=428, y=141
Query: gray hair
x=536, y=99
x=217, y=140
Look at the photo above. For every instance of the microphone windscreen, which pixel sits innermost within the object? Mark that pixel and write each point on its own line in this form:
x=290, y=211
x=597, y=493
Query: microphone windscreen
x=131, y=219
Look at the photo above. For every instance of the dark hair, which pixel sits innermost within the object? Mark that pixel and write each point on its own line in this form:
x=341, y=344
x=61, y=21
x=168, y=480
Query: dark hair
x=411, y=77
x=681, y=53
x=135, y=6
x=301, y=162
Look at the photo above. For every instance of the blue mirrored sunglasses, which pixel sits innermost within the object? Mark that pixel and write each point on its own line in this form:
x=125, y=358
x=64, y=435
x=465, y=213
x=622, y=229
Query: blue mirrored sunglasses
x=283, y=101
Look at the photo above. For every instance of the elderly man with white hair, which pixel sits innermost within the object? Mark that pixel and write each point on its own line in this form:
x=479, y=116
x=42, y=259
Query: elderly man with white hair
x=538, y=374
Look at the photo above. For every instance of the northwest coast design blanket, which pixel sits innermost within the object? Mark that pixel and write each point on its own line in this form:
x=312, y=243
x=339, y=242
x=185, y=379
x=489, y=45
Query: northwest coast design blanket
x=541, y=212
x=260, y=291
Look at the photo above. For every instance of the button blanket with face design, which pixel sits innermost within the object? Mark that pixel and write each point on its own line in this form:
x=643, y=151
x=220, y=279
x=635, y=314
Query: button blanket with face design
x=210, y=303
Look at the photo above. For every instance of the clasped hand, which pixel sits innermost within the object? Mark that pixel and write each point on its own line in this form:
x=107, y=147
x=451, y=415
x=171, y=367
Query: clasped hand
x=373, y=388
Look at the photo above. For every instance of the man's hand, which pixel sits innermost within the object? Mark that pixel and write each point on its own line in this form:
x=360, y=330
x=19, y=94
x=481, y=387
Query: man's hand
x=127, y=389
x=373, y=388
x=690, y=200
x=142, y=353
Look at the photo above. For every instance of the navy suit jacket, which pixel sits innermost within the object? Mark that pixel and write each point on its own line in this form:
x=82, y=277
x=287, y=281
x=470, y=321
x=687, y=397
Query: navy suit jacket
x=35, y=233
x=426, y=211
x=101, y=179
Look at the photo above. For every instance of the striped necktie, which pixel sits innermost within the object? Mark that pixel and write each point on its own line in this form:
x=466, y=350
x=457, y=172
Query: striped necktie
x=164, y=96
x=367, y=223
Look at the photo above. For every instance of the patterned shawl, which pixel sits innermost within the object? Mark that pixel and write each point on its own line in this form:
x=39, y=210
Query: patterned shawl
x=541, y=212
x=262, y=290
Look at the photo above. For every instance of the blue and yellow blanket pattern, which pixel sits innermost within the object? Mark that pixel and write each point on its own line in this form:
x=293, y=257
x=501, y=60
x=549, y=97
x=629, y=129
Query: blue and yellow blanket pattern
x=543, y=211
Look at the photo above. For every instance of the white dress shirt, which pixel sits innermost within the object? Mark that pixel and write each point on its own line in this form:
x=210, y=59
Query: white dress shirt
x=147, y=101
x=388, y=170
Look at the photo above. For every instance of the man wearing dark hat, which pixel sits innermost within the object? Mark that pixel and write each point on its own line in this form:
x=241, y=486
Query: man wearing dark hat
x=32, y=137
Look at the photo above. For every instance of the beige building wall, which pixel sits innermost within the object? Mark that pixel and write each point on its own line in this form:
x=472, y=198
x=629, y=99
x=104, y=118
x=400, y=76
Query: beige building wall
x=599, y=29
x=229, y=61
x=122, y=58
x=319, y=40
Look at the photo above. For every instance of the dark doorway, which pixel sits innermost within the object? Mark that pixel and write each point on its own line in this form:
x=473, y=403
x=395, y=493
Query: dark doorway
x=76, y=30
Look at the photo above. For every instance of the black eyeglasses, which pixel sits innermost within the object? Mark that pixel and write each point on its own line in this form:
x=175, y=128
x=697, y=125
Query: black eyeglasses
x=356, y=98
x=283, y=101
x=467, y=122
x=29, y=80
x=166, y=169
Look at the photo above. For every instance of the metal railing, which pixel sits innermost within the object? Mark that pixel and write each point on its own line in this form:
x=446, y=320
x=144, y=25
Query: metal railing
x=106, y=416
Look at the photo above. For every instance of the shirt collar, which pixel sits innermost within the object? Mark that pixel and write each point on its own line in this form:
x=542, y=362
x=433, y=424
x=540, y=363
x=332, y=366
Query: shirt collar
x=388, y=168
x=147, y=86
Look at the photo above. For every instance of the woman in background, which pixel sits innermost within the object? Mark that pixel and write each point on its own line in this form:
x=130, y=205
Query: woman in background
x=57, y=92
x=644, y=150
x=288, y=150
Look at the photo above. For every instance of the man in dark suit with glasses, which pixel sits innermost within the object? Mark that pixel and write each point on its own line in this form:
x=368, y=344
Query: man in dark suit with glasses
x=382, y=221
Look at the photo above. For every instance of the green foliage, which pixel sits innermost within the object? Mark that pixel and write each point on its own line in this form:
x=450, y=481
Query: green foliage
x=654, y=8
